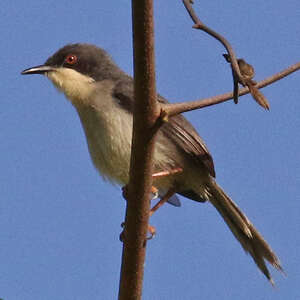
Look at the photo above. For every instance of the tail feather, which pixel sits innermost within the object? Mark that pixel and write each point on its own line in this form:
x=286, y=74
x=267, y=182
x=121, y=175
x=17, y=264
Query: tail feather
x=258, y=96
x=244, y=231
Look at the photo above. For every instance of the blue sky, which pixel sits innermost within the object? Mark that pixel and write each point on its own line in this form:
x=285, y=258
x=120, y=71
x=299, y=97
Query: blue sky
x=60, y=222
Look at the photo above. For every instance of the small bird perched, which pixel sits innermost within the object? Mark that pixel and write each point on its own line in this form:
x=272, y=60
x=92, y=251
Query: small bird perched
x=247, y=71
x=102, y=94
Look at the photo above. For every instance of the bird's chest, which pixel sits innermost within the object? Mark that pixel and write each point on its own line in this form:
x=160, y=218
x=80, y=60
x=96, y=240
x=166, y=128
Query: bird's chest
x=108, y=131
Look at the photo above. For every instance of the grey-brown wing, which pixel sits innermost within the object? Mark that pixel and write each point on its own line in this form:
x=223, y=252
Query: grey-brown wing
x=177, y=129
x=184, y=135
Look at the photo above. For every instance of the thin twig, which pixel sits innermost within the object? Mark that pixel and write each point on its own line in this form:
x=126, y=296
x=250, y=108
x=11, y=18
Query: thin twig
x=177, y=108
x=200, y=25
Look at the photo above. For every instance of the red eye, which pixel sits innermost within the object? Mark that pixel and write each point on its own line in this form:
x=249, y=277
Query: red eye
x=71, y=59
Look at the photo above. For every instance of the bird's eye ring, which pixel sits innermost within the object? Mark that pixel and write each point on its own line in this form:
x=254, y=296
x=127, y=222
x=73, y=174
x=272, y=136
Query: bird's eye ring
x=71, y=59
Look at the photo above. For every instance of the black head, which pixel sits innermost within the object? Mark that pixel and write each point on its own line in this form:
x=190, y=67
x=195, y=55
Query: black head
x=86, y=59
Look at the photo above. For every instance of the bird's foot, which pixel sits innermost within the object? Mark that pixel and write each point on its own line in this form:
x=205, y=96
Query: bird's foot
x=151, y=231
x=167, y=173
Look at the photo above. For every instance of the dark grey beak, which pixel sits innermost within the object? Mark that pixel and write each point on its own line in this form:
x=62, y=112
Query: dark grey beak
x=42, y=69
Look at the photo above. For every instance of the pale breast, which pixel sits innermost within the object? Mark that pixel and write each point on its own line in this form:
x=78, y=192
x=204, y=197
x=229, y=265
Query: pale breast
x=108, y=132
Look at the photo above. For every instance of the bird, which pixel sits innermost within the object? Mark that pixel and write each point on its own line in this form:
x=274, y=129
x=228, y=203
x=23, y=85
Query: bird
x=248, y=72
x=103, y=96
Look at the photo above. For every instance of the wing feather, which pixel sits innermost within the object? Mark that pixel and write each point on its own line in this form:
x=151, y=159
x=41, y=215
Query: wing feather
x=177, y=129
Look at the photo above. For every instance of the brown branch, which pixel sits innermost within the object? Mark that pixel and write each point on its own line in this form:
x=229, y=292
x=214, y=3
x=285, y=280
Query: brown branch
x=146, y=111
x=177, y=108
x=236, y=74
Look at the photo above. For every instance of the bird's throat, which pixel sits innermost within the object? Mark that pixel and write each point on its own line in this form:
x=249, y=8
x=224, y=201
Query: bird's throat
x=76, y=86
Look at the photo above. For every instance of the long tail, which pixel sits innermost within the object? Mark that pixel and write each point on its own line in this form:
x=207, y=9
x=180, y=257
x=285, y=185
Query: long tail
x=258, y=96
x=250, y=239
